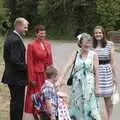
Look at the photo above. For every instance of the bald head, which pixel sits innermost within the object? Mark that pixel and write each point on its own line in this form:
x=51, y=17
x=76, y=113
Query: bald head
x=21, y=25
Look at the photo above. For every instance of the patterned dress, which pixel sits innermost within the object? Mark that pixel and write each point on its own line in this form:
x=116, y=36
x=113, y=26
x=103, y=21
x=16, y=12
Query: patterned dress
x=83, y=102
x=105, y=70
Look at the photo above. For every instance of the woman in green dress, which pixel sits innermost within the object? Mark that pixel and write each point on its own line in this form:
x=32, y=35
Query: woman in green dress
x=83, y=103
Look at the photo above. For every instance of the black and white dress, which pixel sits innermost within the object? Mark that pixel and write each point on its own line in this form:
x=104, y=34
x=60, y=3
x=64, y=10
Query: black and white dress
x=105, y=70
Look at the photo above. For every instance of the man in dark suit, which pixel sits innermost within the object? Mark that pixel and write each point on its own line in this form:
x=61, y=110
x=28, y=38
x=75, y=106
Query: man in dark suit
x=15, y=73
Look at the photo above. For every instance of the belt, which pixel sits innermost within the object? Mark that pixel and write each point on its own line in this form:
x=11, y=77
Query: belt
x=104, y=62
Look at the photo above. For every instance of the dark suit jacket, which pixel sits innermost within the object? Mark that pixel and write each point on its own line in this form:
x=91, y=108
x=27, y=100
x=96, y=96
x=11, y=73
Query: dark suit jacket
x=15, y=72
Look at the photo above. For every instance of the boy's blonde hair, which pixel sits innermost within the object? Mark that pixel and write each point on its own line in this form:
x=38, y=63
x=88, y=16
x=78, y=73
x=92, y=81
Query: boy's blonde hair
x=51, y=71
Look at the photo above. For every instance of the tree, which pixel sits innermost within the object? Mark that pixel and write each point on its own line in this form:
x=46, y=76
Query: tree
x=65, y=16
x=109, y=11
x=3, y=16
x=22, y=8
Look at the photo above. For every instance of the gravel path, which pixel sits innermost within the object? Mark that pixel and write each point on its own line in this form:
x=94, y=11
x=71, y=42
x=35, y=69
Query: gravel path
x=61, y=52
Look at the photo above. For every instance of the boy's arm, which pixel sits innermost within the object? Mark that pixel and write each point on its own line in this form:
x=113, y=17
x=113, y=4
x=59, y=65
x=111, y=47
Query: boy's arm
x=48, y=95
x=51, y=109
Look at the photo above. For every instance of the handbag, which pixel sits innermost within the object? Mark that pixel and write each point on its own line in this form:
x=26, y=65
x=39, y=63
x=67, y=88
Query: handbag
x=115, y=96
x=70, y=79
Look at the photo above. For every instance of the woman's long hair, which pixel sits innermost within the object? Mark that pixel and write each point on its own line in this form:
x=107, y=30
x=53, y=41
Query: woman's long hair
x=103, y=41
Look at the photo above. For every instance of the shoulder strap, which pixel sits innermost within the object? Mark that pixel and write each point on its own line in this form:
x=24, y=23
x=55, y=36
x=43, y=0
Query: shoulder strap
x=74, y=63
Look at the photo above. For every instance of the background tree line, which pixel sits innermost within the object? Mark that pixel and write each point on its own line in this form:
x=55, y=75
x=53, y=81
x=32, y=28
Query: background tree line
x=62, y=17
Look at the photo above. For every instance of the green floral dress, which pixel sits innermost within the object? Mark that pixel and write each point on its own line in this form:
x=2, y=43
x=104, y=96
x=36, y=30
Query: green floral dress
x=84, y=104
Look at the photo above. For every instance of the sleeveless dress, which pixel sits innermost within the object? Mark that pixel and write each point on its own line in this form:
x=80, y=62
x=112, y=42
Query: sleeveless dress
x=84, y=105
x=105, y=71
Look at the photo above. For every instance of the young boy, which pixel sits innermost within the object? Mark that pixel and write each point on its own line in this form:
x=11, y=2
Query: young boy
x=50, y=102
x=47, y=99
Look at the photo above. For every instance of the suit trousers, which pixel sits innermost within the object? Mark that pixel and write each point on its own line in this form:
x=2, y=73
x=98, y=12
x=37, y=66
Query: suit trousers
x=17, y=102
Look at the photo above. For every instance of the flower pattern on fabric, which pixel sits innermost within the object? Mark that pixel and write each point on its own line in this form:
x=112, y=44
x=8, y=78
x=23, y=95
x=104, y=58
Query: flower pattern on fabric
x=63, y=113
x=83, y=102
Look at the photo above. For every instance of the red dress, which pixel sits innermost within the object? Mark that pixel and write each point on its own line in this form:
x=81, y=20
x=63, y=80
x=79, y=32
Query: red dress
x=37, y=59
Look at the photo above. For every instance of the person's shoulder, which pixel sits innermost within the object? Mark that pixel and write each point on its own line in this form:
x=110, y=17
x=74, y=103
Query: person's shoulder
x=47, y=41
x=32, y=42
x=11, y=33
x=110, y=45
x=15, y=35
x=11, y=37
x=46, y=88
x=109, y=42
x=92, y=48
x=75, y=53
x=92, y=52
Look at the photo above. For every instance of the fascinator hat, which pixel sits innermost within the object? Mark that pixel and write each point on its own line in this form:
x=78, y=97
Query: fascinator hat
x=79, y=36
x=84, y=36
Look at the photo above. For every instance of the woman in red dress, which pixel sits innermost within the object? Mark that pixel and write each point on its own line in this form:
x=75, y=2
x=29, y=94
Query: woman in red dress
x=39, y=57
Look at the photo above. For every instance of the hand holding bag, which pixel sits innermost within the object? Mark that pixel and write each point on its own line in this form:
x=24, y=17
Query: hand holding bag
x=115, y=96
x=70, y=79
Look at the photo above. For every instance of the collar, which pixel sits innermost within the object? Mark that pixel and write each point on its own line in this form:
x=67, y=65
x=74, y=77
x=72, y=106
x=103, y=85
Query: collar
x=40, y=41
x=49, y=83
x=18, y=34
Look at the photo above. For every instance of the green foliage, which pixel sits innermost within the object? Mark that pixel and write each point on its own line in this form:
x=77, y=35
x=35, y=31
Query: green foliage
x=22, y=8
x=109, y=10
x=63, y=17
x=3, y=16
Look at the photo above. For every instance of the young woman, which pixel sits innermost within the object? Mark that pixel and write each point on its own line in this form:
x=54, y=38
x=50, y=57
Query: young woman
x=105, y=52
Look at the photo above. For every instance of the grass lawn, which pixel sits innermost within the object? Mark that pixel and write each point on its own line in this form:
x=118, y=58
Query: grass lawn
x=4, y=93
